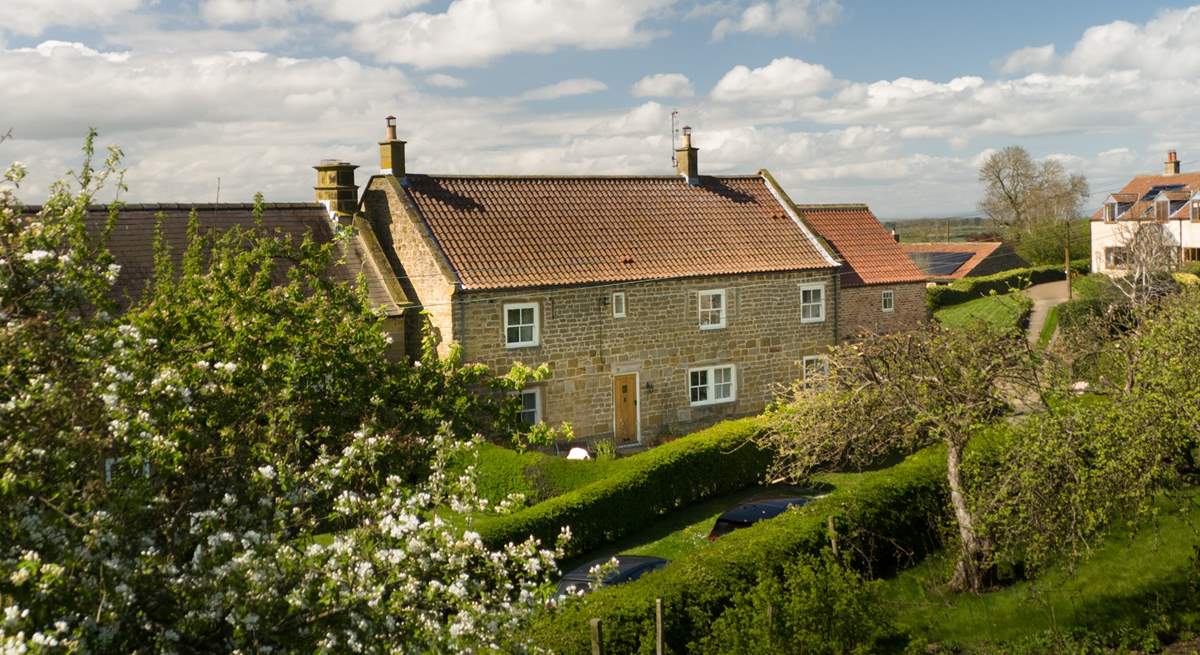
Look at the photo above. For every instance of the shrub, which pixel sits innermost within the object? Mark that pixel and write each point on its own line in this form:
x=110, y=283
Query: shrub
x=975, y=287
x=819, y=607
x=882, y=520
x=639, y=489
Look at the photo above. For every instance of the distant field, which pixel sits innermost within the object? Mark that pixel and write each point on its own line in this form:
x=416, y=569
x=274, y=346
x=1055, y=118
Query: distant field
x=940, y=229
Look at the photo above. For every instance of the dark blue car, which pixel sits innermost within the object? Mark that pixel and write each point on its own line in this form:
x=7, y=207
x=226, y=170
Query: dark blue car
x=629, y=568
x=749, y=513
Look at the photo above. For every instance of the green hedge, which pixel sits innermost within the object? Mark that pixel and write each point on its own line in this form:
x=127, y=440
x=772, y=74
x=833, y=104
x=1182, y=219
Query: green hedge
x=884, y=517
x=713, y=462
x=502, y=471
x=976, y=287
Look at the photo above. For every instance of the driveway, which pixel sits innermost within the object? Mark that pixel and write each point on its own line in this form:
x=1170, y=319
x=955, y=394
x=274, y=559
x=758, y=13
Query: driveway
x=1044, y=296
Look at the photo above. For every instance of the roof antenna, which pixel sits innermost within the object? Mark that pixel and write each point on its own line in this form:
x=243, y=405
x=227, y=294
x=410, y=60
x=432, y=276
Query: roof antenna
x=674, y=159
x=218, y=189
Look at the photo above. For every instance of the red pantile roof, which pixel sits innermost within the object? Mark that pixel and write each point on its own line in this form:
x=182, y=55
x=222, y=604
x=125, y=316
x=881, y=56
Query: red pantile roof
x=1136, y=189
x=132, y=241
x=870, y=251
x=511, y=232
x=979, y=251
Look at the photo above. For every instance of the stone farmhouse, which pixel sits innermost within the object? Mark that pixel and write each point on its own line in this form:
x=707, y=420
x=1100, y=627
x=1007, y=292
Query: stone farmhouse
x=661, y=303
x=1170, y=200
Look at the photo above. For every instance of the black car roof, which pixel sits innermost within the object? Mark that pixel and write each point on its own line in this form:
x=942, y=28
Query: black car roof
x=624, y=563
x=759, y=509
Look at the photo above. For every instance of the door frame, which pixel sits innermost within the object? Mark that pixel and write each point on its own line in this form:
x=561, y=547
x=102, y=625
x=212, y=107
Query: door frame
x=637, y=403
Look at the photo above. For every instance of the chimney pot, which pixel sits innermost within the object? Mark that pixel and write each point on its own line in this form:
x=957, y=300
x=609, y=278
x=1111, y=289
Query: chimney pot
x=391, y=152
x=1171, y=166
x=687, y=158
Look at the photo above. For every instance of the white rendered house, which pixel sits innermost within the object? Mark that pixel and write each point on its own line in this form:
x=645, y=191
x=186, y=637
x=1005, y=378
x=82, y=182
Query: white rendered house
x=1171, y=200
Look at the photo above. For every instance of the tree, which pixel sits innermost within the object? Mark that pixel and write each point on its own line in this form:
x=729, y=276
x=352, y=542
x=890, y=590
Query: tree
x=900, y=393
x=1148, y=255
x=1027, y=199
x=233, y=464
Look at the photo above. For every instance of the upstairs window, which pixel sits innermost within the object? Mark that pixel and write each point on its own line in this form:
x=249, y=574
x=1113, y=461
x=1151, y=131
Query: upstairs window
x=1196, y=210
x=812, y=303
x=1162, y=210
x=712, y=385
x=618, y=304
x=531, y=406
x=889, y=300
x=521, y=324
x=1110, y=212
x=712, y=309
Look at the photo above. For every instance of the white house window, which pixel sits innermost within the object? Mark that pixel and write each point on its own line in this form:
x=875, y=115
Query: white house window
x=712, y=309
x=812, y=303
x=1114, y=257
x=531, y=406
x=889, y=300
x=1196, y=210
x=1110, y=212
x=521, y=324
x=618, y=304
x=814, y=366
x=712, y=385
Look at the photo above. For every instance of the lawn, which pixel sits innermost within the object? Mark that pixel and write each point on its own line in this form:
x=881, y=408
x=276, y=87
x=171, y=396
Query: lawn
x=1116, y=587
x=538, y=476
x=1002, y=311
x=1049, y=327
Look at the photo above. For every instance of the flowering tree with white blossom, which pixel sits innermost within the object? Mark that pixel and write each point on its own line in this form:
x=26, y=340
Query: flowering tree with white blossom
x=232, y=465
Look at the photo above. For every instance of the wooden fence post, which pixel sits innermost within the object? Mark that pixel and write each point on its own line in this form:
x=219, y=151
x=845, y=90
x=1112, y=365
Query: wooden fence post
x=658, y=627
x=597, y=638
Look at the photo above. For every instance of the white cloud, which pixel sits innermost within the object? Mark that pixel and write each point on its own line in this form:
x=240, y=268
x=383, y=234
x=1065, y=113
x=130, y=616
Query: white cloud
x=663, y=85
x=782, y=77
x=795, y=17
x=473, y=32
x=445, y=81
x=32, y=17
x=1165, y=47
x=224, y=12
x=1028, y=60
x=565, y=88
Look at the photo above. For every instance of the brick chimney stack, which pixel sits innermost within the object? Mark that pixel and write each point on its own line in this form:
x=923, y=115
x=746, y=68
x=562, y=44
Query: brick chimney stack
x=391, y=152
x=1171, y=166
x=687, y=158
x=336, y=188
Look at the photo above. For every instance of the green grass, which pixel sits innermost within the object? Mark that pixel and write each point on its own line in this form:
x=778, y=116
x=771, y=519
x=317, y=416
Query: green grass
x=1116, y=586
x=1001, y=311
x=538, y=476
x=1048, y=328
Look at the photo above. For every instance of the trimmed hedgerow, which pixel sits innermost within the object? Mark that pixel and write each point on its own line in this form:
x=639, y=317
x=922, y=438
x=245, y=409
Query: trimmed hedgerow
x=883, y=519
x=713, y=462
x=1003, y=282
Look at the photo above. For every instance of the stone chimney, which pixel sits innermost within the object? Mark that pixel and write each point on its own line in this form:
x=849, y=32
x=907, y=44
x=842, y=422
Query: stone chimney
x=687, y=158
x=1171, y=166
x=336, y=188
x=391, y=152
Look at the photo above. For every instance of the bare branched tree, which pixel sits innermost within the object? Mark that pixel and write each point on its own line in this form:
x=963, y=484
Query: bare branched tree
x=1149, y=255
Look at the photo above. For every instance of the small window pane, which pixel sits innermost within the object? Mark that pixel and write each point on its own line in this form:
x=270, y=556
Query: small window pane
x=699, y=386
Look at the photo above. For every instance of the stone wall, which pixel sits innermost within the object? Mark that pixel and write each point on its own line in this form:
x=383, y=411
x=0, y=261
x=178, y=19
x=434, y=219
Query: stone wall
x=423, y=273
x=861, y=309
x=660, y=339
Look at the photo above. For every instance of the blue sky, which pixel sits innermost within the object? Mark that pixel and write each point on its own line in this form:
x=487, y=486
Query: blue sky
x=889, y=103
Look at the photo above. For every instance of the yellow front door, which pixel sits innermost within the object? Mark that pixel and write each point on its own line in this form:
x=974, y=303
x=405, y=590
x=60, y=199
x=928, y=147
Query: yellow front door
x=625, y=407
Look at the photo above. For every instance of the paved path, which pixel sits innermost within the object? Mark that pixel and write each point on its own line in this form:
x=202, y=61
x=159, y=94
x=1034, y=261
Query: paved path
x=1044, y=296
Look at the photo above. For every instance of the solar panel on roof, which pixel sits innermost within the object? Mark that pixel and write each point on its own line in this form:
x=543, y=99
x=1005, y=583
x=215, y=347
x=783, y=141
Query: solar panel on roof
x=940, y=263
x=1155, y=190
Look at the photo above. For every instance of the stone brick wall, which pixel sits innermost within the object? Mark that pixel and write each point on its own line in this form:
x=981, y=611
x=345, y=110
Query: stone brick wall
x=424, y=275
x=660, y=339
x=861, y=309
